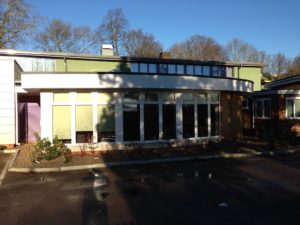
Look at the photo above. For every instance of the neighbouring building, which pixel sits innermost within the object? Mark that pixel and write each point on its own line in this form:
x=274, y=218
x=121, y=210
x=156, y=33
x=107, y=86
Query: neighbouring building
x=277, y=109
x=114, y=100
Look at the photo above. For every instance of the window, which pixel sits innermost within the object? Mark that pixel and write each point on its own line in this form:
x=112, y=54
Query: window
x=61, y=97
x=163, y=68
x=168, y=97
x=198, y=70
x=230, y=72
x=215, y=119
x=293, y=108
x=134, y=67
x=202, y=97
x=263, y=108
x=151, y=96
x=106, y=123
x=143, y=68
x=180, y=69
x=171, y=68
x=84, y=124
x=245, y=103
x=151, y=121
x=188, y=98
x=61, y=116
x=216, y=71
x=152, y=68
x=169, y=121
x=223, y=71
x=214, y=97
x=131, y=96
x=131, y=122
x=84, y=97
x=202, y=111
x=190, y=69
x=188, y=118
x=206, y=70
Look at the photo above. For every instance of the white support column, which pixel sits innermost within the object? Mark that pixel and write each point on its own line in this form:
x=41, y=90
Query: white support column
x=46, y=115
x=73, y=117
x=95, y=122
x=178, y=115
x=160, y=116
x=142, y=126
x=119, y=116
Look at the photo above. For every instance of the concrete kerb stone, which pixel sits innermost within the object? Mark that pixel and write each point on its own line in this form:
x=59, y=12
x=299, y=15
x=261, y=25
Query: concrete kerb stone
x=149, y=161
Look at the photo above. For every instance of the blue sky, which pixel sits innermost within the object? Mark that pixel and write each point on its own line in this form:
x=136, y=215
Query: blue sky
x=269, y=25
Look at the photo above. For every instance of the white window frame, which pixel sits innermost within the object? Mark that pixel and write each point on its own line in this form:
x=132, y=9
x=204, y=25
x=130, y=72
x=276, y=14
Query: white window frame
x=294, y=107
x=263, y=108
x=247, y=101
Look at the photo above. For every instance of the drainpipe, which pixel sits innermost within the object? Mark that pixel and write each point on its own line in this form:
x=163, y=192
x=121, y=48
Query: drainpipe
x=65, y=64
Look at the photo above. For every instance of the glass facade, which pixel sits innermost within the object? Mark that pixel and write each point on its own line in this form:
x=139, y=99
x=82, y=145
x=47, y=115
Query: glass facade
x=145, y=116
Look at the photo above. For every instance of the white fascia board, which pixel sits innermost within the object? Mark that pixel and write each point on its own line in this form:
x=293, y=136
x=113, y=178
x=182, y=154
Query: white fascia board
x=115, y=81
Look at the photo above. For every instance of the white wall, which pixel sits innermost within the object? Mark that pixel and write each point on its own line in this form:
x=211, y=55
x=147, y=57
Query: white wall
x=7, y=102
x=96, y=81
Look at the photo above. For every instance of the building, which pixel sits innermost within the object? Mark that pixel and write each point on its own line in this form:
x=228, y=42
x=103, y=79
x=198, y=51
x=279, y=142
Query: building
x=277, y=109
x=114, y=100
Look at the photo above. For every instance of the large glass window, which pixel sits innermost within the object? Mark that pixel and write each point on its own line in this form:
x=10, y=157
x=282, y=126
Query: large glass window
x=171, y=68
x=206, y=70
x=202, y=111
x=134, y=67
x=190, y=69
x=106, y=123
x=61, y=119
x=263, y=108
x=180, y=69
x=151, y=121
x=131, y=96
x=230, y=72
x=293, y=108
x=131, y=122
x=143, y=68
x=61, y=97
x=168, y=97
x=198, y=70
x=215, y=119
x=169, y=121
x=84, y=124
x=151, y=96
x=223, y=71
x=216, y=71
x=163, y=68
x=188, y=121
x=84, y=97
x=152, y=68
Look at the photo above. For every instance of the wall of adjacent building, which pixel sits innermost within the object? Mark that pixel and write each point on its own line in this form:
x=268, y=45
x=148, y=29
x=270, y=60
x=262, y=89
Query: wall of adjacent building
x=9, y=70
x=251, y=73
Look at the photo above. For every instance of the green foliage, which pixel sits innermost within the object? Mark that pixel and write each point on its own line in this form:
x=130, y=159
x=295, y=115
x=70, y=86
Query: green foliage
x=44, y=149
x=2, y=147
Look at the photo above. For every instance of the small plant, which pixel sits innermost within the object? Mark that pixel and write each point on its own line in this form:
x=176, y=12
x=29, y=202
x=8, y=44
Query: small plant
x=2, y=147
x=44, y=149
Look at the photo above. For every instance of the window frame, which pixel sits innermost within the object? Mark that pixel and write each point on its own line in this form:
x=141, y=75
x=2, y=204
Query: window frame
x=294, y=108
x=262, y=100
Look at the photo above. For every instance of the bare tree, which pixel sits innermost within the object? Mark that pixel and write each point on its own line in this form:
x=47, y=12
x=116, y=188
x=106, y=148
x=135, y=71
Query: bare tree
x=113, y=28
x=140, y=44
x=16, y=22
x=294, y=67
x=279, y=65
x=84, y=40
x=199, y=48
x=237, y=50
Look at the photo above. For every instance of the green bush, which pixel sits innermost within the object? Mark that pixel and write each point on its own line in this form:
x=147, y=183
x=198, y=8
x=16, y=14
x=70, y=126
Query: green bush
x=44, y=149
x=2, y=147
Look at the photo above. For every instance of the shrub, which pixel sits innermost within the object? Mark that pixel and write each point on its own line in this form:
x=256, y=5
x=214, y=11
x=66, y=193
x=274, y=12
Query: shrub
x=44, y=149
x=2, y=147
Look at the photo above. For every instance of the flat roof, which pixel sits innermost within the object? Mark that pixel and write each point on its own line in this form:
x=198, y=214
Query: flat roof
x=284, y=81
x=77, y=56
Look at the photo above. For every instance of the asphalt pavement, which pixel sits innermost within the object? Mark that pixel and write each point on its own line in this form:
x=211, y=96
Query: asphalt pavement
x=244, y=191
